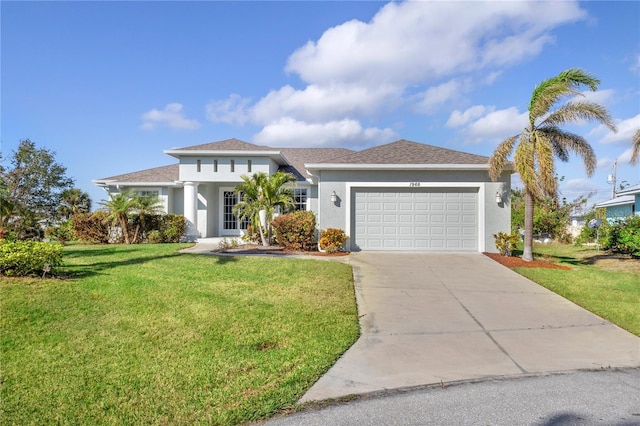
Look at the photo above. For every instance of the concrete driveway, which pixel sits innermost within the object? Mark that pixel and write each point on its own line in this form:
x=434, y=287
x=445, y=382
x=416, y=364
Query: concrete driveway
x=442, y=317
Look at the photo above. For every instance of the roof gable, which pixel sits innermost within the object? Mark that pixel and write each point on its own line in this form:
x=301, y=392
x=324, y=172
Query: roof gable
x=227, y=145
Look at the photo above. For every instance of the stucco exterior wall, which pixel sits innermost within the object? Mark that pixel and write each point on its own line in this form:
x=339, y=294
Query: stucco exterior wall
x=189, y=168
x=493, y=217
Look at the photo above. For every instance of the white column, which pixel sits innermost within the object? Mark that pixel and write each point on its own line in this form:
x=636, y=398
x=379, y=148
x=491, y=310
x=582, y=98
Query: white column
x=190, y=210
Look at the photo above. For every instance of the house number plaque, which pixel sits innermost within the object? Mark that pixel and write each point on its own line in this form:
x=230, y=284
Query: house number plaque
x=414, y=184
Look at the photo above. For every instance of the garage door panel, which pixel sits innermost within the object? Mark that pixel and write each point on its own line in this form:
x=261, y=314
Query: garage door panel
x=427, y=219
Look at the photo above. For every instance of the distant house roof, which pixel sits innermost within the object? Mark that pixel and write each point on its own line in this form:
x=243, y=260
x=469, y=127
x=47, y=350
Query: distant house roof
x=630, y=190
x=618, y=201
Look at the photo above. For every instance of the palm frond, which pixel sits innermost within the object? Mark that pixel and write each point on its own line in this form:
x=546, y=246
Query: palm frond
x=575, y=111
x=564, y=141
x=545, y=96
x=525, y=165
x=545, y=165
x=577, y=78
x=499, y=157
x=635, y=154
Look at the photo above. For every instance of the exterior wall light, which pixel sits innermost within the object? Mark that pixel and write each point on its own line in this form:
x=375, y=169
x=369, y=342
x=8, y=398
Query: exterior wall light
x=498, y=198
x=334, y=197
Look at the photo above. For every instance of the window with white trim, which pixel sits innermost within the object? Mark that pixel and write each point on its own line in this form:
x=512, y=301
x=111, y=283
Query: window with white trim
x=147, y=193
x=300, y=198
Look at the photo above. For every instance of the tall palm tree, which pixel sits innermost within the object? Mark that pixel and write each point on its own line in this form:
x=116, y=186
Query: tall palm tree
x=543, y=140
x=74, y=201
x=118, y=208
x=263, y=193
x=635, y=155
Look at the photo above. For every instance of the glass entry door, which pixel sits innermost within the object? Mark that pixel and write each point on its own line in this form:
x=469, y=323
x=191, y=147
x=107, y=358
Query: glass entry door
x=229, y=220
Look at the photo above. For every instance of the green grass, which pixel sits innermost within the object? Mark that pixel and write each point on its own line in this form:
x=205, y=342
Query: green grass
x=145, y=335
x=611, y=294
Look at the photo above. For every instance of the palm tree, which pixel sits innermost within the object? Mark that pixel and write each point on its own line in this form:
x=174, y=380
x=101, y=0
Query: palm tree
x=145, y=206
x=74, y=201
x=542, y=140
x=118, y=209
x=635, y=155
x=263, y=193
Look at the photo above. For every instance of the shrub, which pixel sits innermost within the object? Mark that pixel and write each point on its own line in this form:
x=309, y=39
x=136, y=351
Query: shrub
x=624, y=237
x=173, y=227
x=23, y=258
x=154, y=237
x=62, y=233
x=91, y=227
x=506, y=243
x=296, y=230
x=332, y=239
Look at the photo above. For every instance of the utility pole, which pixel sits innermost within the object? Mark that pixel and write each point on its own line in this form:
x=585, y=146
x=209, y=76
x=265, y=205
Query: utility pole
x=612, y=179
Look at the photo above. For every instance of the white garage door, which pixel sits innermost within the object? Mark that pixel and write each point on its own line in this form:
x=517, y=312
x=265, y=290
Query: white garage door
x=417, y=219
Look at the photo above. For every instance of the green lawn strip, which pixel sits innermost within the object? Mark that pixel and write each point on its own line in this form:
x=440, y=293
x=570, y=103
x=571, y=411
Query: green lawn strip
x=614, y=296
x=144, y=334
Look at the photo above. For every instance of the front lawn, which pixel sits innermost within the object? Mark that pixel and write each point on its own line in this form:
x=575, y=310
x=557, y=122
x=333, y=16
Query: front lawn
x=605, y=285
x=145, y=335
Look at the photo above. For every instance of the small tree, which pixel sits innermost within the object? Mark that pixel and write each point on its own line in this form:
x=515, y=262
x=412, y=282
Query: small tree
x=263, y=193
x=119, y=206
x=32, y=190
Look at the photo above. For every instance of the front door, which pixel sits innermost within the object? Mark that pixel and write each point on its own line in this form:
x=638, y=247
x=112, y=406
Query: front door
x=230, y=223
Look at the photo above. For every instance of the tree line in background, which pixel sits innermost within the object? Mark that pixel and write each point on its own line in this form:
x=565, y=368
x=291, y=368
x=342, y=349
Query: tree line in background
x=38, y=200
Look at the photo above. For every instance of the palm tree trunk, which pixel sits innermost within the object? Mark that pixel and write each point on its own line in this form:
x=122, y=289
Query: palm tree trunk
x=527, y=253
x=262, y=237
x=125, y=231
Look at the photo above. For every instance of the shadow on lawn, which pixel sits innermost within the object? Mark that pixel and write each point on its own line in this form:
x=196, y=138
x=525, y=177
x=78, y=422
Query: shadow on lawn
x=79, y=271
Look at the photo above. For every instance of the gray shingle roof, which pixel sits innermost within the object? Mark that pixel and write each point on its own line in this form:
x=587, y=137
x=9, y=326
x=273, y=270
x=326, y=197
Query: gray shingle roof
x=157, y=174
x=399, y=152
x=407, y=152
x=297, y=157
x=227, y=145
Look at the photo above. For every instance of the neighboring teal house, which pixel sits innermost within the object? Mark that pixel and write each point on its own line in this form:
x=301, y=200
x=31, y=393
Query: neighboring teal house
x=626, y=203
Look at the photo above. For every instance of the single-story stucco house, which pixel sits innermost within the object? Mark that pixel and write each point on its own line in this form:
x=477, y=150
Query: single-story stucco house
x=626, y=203
x=399, y=196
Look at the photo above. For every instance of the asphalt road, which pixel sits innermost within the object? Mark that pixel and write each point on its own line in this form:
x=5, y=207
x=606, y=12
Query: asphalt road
x=606, y=397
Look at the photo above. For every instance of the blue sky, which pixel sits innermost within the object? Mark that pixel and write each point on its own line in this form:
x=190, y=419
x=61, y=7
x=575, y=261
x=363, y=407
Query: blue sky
x=109, y=85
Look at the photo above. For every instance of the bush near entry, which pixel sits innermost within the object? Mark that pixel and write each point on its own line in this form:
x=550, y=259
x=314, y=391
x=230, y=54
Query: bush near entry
x=295, y=231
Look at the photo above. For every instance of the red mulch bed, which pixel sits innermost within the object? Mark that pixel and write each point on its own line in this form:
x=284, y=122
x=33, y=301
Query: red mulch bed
x=517, y=262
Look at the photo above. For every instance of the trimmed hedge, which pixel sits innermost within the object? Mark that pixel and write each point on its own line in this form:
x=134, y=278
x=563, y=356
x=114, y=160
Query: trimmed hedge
x=29, y=258
x=295, y=231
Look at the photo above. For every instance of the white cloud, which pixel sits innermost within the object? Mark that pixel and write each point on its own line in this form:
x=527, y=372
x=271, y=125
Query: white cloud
x=416, y=41
x=604, y=163
x=626, y=130
x=361, y=69
x=435, y=96
x=458, y=118
x=579, y=185
x=323, y=103
x=171, y=116
x=290, y=132
x=498, y=124
x=233, y=110
x=599, y=96
x=625, y=157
